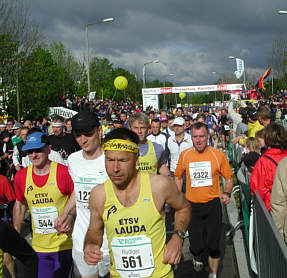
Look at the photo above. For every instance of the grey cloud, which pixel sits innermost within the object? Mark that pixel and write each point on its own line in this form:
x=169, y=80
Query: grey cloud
x=191, y=38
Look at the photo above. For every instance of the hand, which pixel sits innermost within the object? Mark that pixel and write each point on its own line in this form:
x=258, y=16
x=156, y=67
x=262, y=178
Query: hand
x=4, y=156
x=92, y=254
x=225, y=199
x=172, y=251
x=63, y=223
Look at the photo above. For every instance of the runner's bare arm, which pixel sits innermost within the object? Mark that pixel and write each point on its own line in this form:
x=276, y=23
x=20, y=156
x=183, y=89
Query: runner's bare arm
x=163, y=170
x=165, y=191
x=94, y=235
x=18, y=215
x=228, y=188
x=178, y=183
x=64, y=222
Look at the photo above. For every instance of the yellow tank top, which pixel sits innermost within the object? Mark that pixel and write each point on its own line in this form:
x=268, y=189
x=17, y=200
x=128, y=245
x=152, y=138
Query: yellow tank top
x=136, y=234
x=45, y=204
x=148, y=163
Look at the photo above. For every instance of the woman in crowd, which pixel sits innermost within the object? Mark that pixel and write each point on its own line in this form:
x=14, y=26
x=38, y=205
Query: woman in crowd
x=275, y=138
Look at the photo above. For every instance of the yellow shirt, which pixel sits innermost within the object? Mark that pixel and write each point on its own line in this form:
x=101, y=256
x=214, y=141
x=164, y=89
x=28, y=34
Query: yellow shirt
x=136, y=234
x=46, y=204
x=253, y=128
x=148, y=162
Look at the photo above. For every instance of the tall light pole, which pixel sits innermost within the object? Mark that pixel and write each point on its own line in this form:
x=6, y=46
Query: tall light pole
x=111, y=19
x=233, y=57
x=170, y=74
x=146, y=63
x=220, y=80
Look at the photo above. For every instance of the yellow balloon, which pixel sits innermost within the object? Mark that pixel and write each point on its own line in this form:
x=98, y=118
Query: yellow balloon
x=182, y=95
x=120, y=83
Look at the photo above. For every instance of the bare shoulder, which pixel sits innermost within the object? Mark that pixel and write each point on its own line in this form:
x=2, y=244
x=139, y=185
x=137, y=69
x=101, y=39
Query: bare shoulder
x=97, y=197
x=161, y=184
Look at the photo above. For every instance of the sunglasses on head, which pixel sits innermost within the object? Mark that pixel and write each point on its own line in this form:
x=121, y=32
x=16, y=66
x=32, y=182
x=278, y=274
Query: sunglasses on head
x=35, y=151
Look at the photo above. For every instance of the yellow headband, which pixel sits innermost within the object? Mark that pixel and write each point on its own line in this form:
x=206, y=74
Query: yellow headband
x=121, y=145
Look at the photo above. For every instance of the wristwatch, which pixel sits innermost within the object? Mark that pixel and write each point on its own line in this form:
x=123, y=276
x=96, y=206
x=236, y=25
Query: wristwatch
x=181, y=234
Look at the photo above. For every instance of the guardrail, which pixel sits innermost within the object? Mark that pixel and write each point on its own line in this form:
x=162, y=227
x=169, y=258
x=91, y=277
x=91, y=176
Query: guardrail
x=270, y=249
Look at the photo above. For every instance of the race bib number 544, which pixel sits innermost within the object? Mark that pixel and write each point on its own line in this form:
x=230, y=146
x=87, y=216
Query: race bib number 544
x=44, y=219
x=133, y=256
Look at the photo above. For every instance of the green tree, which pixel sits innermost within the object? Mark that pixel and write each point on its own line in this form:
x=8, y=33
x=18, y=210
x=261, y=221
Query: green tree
x=71, y=72
x=8, y=64
x=39, y=85
x=101, y=77
x=15, y=20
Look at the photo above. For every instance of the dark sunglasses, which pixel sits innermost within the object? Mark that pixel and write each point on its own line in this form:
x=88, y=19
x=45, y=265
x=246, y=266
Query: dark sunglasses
x=78, y=133
x=35, y=151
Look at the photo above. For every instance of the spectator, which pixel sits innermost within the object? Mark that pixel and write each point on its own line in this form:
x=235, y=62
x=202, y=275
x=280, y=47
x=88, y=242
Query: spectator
x=260, y=137
x=253, y=124
x=275, y=137
x=279, y=199
x=264, y=116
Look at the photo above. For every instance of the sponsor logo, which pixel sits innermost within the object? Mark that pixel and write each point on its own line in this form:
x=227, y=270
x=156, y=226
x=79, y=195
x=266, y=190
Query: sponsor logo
x=113, y=209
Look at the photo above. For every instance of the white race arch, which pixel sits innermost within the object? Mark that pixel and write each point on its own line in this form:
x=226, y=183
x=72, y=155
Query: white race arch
x=150, y=95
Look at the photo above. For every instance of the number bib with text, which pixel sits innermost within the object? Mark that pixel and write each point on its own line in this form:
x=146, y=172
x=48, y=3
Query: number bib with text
x=83, y=196
x=133, y=256
x=44, y=219
x=200, y=173
x=226, y=127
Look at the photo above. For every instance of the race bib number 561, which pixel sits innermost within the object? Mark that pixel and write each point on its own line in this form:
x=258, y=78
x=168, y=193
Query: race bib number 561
x=133, y=256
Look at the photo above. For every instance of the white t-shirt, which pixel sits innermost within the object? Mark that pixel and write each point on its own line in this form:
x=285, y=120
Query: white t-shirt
x=85, y=174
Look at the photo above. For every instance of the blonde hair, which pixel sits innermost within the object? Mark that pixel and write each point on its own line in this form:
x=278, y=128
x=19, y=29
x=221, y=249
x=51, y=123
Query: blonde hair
x=252, y=144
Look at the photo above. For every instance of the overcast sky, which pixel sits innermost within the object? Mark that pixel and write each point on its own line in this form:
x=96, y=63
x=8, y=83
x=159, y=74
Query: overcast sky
x=190, y=38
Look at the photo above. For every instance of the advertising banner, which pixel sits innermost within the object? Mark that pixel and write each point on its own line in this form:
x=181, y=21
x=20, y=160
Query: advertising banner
x=62, y=111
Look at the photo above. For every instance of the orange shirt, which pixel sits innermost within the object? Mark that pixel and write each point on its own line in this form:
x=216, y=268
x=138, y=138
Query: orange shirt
x=202, y=173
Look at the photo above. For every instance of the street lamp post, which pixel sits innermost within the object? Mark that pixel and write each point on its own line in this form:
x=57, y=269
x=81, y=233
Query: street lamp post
x=233, y=57
x=111, y=19
x=146, y=63
x=170, y=74
x=220, y=80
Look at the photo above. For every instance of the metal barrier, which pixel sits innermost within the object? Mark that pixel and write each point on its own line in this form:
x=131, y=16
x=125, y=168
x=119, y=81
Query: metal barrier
x=270, y=249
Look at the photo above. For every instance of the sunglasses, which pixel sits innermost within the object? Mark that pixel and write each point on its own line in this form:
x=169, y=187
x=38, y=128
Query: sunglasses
x=35, y=151
x=78, y=133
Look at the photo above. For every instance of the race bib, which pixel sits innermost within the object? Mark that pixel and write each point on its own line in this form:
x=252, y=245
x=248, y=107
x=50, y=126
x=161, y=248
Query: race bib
x=44, y=219
x=285, y=116
x=226, y=127
x=133, y=256
x=83, y=196
x=200, y=173
x=83, y=187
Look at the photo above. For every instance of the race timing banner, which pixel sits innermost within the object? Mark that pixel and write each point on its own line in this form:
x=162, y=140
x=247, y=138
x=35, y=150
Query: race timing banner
x=191, y=89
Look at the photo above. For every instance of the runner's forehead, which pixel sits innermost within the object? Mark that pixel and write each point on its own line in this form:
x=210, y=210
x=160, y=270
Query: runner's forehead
x=118, y=154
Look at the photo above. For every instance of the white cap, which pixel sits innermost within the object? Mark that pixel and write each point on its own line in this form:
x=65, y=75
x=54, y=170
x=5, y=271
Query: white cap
x=178, y=121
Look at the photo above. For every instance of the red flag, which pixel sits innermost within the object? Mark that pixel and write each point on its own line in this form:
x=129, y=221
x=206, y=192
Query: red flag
x=260, y=81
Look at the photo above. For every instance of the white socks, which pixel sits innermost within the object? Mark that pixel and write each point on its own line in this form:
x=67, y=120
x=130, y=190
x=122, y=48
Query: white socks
x=211, y=275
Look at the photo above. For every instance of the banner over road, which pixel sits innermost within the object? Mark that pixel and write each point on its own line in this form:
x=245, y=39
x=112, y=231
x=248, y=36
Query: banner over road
x=191, y=89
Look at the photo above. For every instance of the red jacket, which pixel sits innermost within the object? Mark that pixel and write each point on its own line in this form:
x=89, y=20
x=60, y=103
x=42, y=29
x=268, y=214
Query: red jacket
x=264, y=172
